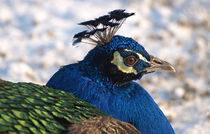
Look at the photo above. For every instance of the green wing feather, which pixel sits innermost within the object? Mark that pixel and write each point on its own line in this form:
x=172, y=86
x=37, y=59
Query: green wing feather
x=32, y=108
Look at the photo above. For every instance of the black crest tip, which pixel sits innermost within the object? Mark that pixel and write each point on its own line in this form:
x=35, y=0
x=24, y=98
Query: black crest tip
x=76, y=41
x=80, y=34
x=102, y=29
x=117, y=11
x=90, y=22
x=120, y=14
x=104, y=18
x=126, y=15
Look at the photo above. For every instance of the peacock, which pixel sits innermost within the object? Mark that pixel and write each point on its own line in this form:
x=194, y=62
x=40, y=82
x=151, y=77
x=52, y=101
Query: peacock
x=102, y=84
x=105, y=77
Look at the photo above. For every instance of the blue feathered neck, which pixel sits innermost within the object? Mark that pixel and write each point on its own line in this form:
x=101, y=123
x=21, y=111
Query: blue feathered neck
x=128, y=102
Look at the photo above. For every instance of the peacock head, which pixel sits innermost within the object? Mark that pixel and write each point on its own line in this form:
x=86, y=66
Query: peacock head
x=119, y=58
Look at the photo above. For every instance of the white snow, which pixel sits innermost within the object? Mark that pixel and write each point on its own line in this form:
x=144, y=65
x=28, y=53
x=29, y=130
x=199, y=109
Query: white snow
x=36, y=38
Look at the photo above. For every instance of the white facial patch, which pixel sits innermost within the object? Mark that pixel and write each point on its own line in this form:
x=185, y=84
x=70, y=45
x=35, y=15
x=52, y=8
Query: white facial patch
x=118, y=61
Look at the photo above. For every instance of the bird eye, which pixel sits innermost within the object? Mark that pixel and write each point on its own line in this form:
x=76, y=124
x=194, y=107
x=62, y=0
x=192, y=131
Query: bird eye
x=130, y=60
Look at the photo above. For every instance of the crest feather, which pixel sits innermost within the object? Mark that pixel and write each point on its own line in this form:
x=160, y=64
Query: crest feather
x=102, y=29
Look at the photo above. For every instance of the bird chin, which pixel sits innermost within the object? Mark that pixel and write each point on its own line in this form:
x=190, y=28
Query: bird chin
x=140, y=75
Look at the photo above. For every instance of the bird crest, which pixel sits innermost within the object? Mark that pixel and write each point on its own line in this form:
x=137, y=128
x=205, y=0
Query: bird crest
x=102, y=29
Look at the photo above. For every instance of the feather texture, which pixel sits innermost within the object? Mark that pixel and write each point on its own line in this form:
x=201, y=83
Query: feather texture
x=129, y=102
x=31, y=108
x=102, y=125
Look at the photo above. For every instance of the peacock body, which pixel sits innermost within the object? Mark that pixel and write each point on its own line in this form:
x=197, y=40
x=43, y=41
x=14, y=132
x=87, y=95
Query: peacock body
x=32, y=108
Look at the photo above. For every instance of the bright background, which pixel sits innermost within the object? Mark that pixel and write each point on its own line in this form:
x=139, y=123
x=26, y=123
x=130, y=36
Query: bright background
x=36, y=37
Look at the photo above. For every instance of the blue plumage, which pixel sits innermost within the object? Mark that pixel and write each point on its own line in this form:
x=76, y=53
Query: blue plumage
x=105, y=79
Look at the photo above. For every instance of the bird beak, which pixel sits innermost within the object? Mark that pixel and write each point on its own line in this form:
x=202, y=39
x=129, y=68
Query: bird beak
x=158, y=64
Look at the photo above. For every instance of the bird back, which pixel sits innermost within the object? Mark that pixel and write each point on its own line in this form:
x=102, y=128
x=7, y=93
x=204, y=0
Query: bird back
x=32, y=108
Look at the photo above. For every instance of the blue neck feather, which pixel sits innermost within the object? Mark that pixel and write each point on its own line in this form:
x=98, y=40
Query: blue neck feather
x=128, y=102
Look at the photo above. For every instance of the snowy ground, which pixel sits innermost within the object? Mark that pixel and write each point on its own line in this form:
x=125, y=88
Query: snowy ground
x=36, y=37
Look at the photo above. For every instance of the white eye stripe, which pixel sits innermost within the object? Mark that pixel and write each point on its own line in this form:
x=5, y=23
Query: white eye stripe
x=139, y=55
x=119, y=62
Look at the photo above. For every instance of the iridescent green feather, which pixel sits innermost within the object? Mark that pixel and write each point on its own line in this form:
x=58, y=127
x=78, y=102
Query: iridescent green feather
x=31, y=108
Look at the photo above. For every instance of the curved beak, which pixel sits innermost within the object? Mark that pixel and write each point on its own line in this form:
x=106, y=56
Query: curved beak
x=158, y=64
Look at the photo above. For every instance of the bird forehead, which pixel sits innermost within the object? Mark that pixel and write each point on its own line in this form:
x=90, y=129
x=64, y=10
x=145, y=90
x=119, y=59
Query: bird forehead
x=121, y=42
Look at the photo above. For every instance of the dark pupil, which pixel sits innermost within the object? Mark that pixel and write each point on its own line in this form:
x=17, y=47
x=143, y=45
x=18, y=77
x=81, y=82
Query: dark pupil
x=130, y=60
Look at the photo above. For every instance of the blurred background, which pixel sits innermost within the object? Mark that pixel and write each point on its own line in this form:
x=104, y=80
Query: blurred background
x=36, y=38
